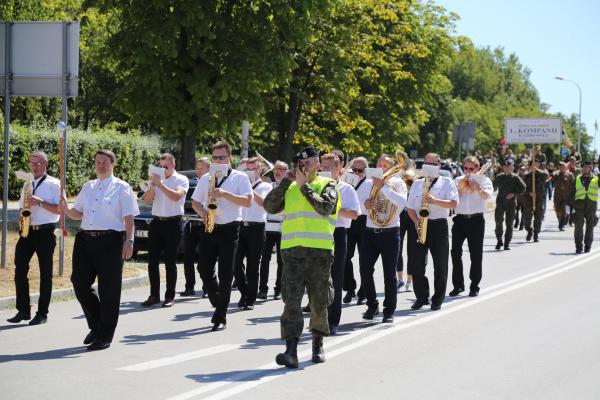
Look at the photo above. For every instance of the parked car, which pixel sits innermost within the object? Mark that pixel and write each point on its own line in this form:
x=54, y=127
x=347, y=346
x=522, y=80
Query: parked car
x=142, y=221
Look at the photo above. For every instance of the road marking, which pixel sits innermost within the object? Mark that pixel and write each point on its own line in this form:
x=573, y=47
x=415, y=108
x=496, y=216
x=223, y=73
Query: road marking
x=193, y=355
x=272, y=371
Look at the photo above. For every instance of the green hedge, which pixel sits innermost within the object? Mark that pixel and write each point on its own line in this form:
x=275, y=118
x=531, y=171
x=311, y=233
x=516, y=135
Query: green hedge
x=134, y=151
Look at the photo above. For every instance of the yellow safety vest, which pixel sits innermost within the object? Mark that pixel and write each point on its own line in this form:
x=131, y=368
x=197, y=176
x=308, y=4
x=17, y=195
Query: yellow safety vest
x=302, y=225
x=591, y=193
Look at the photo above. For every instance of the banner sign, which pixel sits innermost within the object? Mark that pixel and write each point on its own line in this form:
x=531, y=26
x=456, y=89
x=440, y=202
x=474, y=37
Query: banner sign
x=533, y=130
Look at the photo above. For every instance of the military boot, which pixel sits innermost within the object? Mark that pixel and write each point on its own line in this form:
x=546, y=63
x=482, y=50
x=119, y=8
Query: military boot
x=290, y=357
x=318, y=354
x=499, y=245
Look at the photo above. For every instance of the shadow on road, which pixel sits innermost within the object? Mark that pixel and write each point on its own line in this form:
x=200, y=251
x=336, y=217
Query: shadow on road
x=70, y=352
x=185, y=334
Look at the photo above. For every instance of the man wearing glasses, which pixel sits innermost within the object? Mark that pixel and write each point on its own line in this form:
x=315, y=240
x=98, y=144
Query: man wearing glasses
x=273, y=238
x=442, y=197
x=45, y=195
x=469, y=225
x=356, y=232
x=167, y=198
x=233, y=191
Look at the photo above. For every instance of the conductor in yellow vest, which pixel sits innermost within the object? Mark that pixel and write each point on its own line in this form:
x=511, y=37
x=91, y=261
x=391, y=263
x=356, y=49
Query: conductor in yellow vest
x=310, y=207
x=586, y=203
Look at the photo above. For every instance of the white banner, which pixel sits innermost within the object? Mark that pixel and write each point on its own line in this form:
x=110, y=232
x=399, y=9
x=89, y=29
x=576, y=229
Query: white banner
x=533, y=130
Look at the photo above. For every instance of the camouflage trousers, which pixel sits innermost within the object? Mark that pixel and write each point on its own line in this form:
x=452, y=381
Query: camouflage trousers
x=585, y=214
x=560, y=204
x=305, y=268
x=536, y=216
x=509, y=210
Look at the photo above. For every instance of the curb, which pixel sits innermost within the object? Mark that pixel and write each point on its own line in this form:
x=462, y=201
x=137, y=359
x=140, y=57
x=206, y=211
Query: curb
x=69, y=293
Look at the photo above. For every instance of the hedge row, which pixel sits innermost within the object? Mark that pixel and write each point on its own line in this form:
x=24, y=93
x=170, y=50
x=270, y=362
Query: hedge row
x=134, y=152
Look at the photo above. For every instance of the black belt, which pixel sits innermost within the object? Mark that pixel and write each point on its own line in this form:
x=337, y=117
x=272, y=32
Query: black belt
x=232, y=223
x=252, y=223
x=273, y=222
x=42, y=226
x=99, y=233
x=469, y=216
x=382, y=230
x=173, y=218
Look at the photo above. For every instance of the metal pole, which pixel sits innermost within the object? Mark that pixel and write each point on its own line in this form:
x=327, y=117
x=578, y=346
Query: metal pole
x=7, y=79
x=460, y=126
x=65, y=96
x=580, y=125
x=245, y=133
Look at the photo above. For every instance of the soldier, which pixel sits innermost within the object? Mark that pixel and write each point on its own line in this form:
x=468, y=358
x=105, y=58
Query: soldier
x=586, y=204
x=310, y=206
x=509, y=186
x=539, y=194
x=564, y=184
x=520, y=200
x=573, y=168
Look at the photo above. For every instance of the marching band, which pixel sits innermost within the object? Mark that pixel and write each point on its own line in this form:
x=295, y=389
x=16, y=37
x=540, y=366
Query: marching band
x=316, y=215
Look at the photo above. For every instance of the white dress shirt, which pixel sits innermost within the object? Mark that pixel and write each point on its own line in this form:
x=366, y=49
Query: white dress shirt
x=49, y=191
x=256, y=213
x=104, y=203
x=443, y=189
x=395, y=191
x=472, y=203
x=236, y=182
x=162, y=206
x=349, y=202
x=363, y=191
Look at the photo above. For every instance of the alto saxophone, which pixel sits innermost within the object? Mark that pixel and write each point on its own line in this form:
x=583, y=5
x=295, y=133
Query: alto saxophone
x=25, y=212
x=212, y=203
x=423, y=213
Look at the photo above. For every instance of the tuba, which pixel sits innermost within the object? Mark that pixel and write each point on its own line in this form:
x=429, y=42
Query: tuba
x=212, y=203
x=384, y=211
x=25, y=213
x=463, y=185
x=423, y=213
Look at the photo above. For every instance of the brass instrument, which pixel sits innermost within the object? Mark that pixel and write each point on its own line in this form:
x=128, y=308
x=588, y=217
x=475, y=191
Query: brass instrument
x=266, y=166
x=423, y=213
x=25, y=212
x=463, y=185
x=212, y=203
x=384, y=211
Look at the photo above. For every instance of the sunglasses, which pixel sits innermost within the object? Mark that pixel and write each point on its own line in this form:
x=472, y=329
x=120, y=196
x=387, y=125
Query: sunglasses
x=36, y=164
x=358, y=170
x=469, y=169
x=218, y=158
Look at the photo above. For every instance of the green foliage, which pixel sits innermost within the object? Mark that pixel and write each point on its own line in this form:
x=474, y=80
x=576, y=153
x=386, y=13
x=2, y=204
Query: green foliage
x=134, y=153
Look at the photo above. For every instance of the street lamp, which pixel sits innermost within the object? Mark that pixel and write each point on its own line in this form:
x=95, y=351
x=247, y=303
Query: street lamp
x=560, y=78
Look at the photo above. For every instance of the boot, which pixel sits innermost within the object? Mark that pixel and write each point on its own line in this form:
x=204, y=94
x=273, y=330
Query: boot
x=535, y=237
x=516, y=225
x=529, y=235
x=318, y=354
x=290, y=357
x=499, y=245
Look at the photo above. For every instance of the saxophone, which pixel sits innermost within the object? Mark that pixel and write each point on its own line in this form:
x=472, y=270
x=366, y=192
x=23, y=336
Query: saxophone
x=25, y=213
x=212, y=203
x=423, y=213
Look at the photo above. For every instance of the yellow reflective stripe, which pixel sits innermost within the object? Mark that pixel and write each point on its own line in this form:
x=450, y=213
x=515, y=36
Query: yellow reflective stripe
x=307, y=214
x=306, y=235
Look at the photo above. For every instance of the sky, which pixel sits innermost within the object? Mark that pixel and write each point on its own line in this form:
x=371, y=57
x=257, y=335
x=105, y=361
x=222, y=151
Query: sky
x=551, y=38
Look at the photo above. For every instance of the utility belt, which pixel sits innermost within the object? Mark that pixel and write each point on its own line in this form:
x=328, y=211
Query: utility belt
x=469, y=216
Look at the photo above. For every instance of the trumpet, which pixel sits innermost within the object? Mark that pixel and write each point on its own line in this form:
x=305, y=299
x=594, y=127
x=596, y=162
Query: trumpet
x=145, y=185
x=464, y=184
x=423, y=213
x=25, y=212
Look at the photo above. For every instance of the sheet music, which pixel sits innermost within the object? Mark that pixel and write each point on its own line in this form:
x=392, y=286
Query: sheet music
x=374, y=173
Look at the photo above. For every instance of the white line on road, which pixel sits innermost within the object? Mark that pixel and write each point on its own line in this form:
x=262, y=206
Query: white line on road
x=193, y=355
x=272, y=371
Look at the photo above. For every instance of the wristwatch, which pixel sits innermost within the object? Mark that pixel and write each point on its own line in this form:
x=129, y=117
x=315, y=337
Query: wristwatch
x=130, y=241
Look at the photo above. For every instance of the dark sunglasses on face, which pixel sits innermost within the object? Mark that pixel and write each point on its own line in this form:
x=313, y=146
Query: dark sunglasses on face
x=358, y=170
x=469, y=169
x=218, y=158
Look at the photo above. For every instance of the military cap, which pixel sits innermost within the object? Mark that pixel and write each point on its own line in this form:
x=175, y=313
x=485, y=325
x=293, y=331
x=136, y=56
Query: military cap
x=307, y=152
x=508, y=161
x=587, y=162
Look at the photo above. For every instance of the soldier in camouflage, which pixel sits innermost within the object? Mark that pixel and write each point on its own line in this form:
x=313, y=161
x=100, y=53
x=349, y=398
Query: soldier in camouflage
x=564, y=184
x=541, y=175
x=509, y=186
x=307, y=257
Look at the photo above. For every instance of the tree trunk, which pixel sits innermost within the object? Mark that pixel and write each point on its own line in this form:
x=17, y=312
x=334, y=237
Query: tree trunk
x=188, y=153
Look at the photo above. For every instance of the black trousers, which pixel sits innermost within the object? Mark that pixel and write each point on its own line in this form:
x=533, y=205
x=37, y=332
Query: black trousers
x=355, y=234
x=163, y=238
x=472, y=230
x=272, y=239
x=221, y=246
x=437, y=244
x=41, y=242
x=99, y=257
x=250, y=247
x=192, y=235
x=387, y=244
x=337, y=275
x=405, y=231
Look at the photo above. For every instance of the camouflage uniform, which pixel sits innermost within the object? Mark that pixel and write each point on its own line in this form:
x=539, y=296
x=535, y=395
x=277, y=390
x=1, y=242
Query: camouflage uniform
x=305, y=267
x=506, y=184
x=540, y=193
x=564, y=188
x=585, y=212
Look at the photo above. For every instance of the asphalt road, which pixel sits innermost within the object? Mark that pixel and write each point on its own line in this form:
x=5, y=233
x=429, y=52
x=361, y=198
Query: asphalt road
x=531, y=334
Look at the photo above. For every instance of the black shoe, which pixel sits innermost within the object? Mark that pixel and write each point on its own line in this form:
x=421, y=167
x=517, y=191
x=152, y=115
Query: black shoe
x=19, y=317
x=290, y=357
x=98, y=344
x=333, y=330
x=38, y=319
x=218, y=326
x=435, y=306
x=276, y=294
x=187, y=293
x=473, y=292
x=168, y=303
x=587, y=249
x=348, y=297
x=506, y=247
x=535, y=237
x=417, y=305
x=516, y=225
x=388, y=318
x=306, y=309
x=521, y=227
x=456, y=291
x=400, y=285
x=90, y=338
x=242, y=303
x=204, y=294
x=150, y=301
x=529, y=235
x=578, y=250
x=262, y=295
x=561, y=228
x=499, y=245
x=318, y=354
x=360, y=300
x=371, y=312
x=248, y=306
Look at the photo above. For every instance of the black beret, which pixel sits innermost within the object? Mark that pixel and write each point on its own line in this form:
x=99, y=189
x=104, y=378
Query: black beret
x=307, y=152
